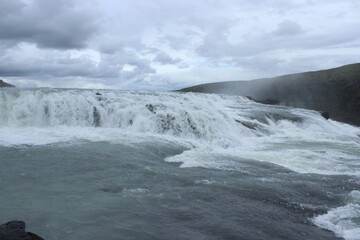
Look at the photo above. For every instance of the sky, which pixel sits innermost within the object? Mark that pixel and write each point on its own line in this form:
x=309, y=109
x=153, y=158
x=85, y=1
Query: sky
x=170, y=44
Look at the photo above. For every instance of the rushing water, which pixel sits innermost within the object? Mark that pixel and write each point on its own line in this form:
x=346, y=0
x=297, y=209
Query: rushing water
x=87, y=164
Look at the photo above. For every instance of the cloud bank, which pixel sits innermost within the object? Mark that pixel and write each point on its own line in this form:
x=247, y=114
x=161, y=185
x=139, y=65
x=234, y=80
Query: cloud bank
x=165, y=45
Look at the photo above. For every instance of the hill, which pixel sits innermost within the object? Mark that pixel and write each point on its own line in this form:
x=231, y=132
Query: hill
x=4, y=84
x=336, y=91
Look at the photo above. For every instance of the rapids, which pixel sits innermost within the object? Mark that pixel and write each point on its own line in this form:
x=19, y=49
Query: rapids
x=196, y=131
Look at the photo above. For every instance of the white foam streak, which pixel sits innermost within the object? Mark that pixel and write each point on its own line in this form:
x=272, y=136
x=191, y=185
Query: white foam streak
x=219, y=131
x=343, y=221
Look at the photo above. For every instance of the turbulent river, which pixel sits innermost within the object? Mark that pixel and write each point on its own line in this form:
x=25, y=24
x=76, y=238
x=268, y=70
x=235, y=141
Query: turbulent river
x=106, y=164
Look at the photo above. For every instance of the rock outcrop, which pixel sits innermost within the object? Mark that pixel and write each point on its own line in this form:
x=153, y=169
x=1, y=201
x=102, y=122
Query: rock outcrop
x=335, y=91
x=4, y=84
x=15, y=230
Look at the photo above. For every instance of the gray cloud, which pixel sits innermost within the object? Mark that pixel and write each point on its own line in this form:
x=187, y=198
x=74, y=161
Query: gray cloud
x=288, y=35
x=57, y=24
x=164, y=58
x=56, y=66
x=156, y=44
x=176, y=42
x=288, y=27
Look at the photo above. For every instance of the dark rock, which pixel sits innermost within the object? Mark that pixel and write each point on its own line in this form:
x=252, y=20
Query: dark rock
x=151, y=108
x=4, y=84
x=264, y=101
x=34, y=236
x=46, y=110
x=246, y=124
x=250, y=98
x=98, y=97
x=268, y=101
x=96, y=117
x=325, y=115
x=167, y=123
x=191, y=123
x=15, y=230
x=101, y=99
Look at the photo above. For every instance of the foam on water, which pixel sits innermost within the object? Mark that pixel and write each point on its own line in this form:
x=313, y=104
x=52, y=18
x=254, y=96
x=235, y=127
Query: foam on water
x=211, y=126
x=216, y=131
x=345, y=220
x=303, y=160
x=35, y=136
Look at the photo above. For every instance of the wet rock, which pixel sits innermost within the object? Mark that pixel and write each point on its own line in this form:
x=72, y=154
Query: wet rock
x=15, y=230
x=46, y=110
x=100, y=98
x=166, y=122
x=268, y=101
x=325, y=115
x=96, y=117
x=151, y=108
x=250, y=98
x=34, y=236
x=247, y=124
x=191, y=124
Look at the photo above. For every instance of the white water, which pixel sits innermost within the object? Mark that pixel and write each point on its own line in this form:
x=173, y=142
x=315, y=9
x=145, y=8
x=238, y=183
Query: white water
x=345, y=220
x=209, y=125
x=218, y=131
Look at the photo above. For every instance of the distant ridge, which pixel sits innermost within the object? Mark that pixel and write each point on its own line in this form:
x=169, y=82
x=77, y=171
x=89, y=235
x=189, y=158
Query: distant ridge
x=335, y=90
x=4, y=84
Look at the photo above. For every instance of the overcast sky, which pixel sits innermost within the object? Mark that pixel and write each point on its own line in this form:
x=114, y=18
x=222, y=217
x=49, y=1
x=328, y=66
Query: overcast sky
x=170, y=44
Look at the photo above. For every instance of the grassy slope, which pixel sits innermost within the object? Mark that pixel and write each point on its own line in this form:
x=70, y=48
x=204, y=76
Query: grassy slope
x=336, y=91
